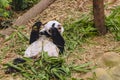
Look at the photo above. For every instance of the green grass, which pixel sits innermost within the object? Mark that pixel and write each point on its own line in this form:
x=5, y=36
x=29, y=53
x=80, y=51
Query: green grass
x=78, y=31
x=113, y=23
x=48, y=68
x=15, y=43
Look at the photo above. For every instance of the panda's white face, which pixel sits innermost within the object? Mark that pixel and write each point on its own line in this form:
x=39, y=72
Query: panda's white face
x=57, y=25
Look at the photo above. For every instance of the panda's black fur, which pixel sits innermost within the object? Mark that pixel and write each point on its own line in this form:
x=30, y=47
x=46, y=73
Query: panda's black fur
x=57, y=39
x=35, y=34
x=11, y=69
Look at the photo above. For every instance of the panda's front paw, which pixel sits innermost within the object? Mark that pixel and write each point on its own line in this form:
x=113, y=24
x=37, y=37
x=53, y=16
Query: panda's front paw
x=54, y=31
x=36, y=26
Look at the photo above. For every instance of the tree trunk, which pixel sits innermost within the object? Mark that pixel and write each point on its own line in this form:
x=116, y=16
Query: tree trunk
x=34, y=11
x=99, y=18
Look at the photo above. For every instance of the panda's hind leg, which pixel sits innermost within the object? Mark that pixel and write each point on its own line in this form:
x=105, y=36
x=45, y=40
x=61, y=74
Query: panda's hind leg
x=11, y=69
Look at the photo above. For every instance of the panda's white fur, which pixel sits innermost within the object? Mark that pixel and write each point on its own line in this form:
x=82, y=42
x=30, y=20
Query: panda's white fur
x=57, y=25
x=44, y=43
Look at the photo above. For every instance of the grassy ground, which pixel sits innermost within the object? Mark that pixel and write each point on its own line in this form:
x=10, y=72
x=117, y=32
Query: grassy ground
x=82, y=45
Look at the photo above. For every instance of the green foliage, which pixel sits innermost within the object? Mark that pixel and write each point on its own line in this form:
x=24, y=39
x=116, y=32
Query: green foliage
x=113, y=23
x=76, y=32
x=29, y=3
x=4, y=3
x=48, y=68
x=4, y=6
x=23, y=4
x=17, y=42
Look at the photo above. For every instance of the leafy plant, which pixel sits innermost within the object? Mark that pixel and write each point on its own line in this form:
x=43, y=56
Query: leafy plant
x=113, y=22
x=48, y=68
x=29, y=3
x=76, y=32
x=17, y=42
x=18, y=5
x=4, y=8
x=4, y=3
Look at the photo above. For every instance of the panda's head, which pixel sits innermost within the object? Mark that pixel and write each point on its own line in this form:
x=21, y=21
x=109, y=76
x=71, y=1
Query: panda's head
x=51, y=24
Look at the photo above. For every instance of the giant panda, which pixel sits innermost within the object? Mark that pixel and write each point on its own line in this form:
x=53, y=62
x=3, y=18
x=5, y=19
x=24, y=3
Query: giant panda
x=49, y=39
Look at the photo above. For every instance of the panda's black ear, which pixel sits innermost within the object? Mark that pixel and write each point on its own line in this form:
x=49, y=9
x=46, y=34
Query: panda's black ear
x=53, y=25
x=35, y=32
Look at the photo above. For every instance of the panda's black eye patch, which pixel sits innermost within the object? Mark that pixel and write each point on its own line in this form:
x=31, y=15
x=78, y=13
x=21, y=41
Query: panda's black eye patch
x=50, y=31
x=59, y=28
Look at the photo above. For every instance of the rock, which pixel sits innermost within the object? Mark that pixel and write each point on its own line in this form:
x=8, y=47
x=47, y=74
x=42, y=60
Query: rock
x=108, y=67
x=100, y=63
x=101, y=74
x=111, y=59
x=115, y=72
